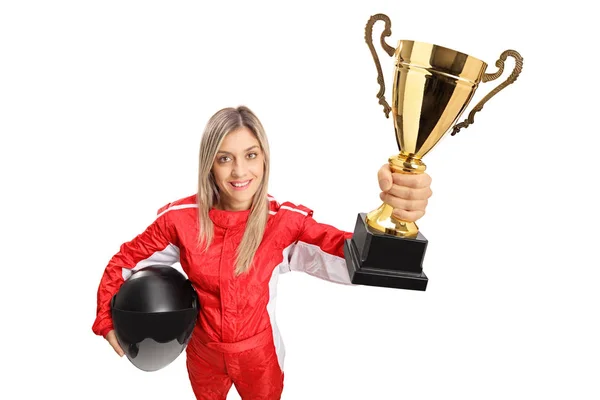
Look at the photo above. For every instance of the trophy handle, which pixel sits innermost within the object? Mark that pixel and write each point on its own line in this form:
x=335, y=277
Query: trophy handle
x=490, y=77
x=388, y=49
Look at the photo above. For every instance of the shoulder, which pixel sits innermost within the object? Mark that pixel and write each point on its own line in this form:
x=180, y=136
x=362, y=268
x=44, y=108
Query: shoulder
x=186, y=203
x=288, y=209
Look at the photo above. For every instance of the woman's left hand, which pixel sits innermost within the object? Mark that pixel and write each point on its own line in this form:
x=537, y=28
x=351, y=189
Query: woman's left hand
x=406, y=193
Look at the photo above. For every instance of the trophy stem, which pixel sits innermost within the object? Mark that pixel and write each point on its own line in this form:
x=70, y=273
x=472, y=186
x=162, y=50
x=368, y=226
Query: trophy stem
x=382, y=219
x=405, y=163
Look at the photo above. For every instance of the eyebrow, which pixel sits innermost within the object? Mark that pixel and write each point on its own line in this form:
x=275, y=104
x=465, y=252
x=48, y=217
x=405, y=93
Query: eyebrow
x=248, y=149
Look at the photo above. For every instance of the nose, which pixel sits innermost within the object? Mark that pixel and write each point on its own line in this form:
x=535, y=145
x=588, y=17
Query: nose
x=240, y=169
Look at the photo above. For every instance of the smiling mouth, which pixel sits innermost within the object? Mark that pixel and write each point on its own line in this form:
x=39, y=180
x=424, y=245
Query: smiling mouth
x=240, y=185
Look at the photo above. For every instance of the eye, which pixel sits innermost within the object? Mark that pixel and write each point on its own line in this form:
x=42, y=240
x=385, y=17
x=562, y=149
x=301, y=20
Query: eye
x=252, y=155
x=223, y=159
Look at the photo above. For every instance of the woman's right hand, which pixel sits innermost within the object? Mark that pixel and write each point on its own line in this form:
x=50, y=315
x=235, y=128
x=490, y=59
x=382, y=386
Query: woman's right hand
x=112, y=339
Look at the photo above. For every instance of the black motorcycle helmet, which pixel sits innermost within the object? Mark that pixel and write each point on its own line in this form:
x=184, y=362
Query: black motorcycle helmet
x=154, y=313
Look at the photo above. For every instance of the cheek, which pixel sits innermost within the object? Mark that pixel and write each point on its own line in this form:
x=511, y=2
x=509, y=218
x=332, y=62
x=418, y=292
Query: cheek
x=258, y=171
x=219, y=175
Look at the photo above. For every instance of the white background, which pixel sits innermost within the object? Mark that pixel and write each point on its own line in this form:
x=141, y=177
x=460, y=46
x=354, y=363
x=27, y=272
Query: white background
x=102, y=105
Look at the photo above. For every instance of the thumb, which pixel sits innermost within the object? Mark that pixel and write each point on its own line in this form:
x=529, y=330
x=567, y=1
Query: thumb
x=384, y=176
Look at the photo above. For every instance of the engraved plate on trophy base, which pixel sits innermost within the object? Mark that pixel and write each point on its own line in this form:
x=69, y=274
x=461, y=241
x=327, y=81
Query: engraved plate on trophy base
x=376, y=259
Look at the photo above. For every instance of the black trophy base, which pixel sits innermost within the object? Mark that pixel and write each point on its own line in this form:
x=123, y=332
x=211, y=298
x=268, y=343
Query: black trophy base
x=377, y=259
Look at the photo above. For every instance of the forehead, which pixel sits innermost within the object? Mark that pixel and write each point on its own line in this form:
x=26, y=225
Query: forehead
x=238, y=141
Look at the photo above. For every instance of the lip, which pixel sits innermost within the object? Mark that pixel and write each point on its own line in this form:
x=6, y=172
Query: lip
x=240, y=188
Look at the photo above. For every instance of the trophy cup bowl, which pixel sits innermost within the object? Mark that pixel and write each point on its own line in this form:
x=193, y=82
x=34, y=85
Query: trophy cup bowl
x=432, y=87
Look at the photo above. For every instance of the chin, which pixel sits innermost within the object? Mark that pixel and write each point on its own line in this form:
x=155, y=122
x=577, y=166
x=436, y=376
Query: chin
x=237, y=198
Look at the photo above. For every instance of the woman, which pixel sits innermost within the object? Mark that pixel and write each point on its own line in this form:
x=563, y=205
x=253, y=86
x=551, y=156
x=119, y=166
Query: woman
x=232, y=240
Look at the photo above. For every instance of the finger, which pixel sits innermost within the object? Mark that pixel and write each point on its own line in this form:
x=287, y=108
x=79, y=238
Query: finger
x=404, y=204
x=384, y=176
x=416, y=181
x=112, y=340
x=409, y=193
x=118, y=349
x=408, y=216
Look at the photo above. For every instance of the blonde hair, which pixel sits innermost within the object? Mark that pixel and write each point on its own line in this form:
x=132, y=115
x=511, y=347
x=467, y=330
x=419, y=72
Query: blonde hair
x=219, y=125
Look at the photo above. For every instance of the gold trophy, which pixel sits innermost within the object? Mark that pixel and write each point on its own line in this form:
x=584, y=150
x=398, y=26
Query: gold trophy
x=433, y=86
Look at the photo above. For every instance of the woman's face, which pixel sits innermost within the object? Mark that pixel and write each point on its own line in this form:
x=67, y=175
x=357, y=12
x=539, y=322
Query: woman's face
x=238, y=169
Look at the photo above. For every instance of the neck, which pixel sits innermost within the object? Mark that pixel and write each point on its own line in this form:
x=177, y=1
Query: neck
x=227, y=206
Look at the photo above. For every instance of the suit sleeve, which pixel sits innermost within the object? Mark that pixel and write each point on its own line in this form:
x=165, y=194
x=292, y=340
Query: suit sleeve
x=157, y=245
x=319, y=251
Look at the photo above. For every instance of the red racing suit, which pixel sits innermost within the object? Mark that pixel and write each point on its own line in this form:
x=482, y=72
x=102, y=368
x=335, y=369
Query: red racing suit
x=236, y=339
